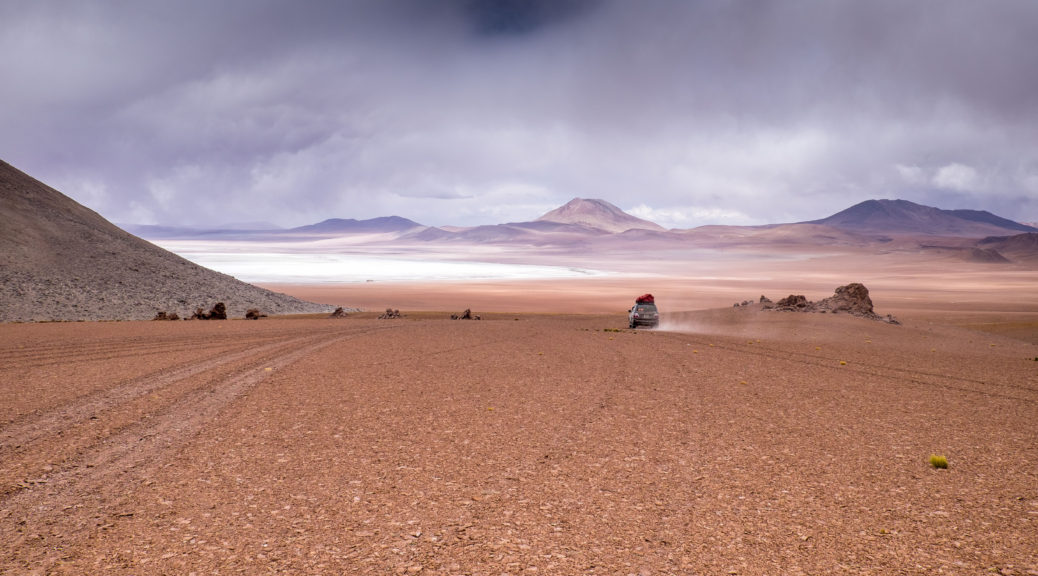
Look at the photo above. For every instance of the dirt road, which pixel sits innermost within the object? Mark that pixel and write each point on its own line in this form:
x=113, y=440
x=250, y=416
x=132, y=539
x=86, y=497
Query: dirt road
x=734, y=443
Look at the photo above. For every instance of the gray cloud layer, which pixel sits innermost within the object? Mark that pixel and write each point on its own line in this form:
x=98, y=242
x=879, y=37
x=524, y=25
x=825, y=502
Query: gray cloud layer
x=469, y=111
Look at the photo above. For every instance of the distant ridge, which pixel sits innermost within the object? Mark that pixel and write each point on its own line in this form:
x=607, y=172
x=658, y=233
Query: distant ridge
x=595, y=218
x=586, y=225
x=597, y=214
x=241, y=229
x=902, y=216
x=61, y=261
x=989, y=218
x=352, y=226
x=1019, y=246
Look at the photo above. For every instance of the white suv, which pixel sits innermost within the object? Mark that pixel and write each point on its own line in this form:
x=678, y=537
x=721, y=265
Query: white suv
x=643, y=315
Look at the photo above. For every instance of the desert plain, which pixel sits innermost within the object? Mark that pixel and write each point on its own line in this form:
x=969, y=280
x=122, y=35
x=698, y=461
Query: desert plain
x=546, y=438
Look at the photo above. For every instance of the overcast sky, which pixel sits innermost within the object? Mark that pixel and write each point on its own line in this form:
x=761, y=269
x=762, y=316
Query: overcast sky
x=477, y=111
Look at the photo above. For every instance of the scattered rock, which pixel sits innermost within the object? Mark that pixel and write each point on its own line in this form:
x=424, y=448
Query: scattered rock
x=466, y=315
x=339, y=313
x=217, y=312
x=254, y=314
x=390, y=314
x=163, y=315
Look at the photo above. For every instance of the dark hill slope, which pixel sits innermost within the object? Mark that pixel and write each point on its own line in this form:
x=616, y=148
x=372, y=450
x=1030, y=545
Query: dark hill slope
x=61, y=261
x=1021, y=247
x=988, y=218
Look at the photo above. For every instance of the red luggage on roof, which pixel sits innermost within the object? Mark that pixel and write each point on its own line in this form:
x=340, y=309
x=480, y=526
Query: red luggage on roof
x=645, y=299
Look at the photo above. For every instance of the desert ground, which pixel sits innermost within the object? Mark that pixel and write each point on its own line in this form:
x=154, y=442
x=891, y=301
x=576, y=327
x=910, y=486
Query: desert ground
x=900, y=283
x=544, y=439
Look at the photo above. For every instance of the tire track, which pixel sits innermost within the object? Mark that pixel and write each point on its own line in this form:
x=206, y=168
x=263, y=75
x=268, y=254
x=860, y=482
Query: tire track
x=89, y=493
x=37, y=444
x=28, y=430
x=894, y=373
x=57, y=354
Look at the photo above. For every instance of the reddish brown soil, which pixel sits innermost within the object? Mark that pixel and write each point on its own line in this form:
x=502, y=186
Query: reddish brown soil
x=738, y=442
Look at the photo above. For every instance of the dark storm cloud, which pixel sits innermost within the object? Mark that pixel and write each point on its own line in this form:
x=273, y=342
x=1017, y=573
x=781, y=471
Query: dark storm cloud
x=519, y=17
x=465, y=111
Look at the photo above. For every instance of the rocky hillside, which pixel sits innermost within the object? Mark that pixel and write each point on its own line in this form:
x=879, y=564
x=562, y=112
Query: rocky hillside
x=61, y=261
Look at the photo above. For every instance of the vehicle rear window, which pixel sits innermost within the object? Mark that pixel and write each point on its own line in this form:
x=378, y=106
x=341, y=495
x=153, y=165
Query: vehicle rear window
x=646, y=307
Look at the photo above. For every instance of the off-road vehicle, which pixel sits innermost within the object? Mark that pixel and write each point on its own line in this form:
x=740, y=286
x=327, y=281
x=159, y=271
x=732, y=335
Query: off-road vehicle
x=644, y=312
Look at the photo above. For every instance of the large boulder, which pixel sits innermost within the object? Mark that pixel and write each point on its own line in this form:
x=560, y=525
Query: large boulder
x=852, y=299
x=217, y=312
x=794, y=301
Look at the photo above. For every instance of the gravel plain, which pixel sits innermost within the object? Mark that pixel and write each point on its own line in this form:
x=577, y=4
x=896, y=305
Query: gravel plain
x=731, y=441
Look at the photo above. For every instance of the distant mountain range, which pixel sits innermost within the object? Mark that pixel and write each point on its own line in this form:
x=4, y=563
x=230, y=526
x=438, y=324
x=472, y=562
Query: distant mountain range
x=591, y=225
x=61, y=261
x=870, y=220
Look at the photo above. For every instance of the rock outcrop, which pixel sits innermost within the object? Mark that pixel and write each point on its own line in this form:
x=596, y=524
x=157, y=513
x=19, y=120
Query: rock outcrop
x=851, y=299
